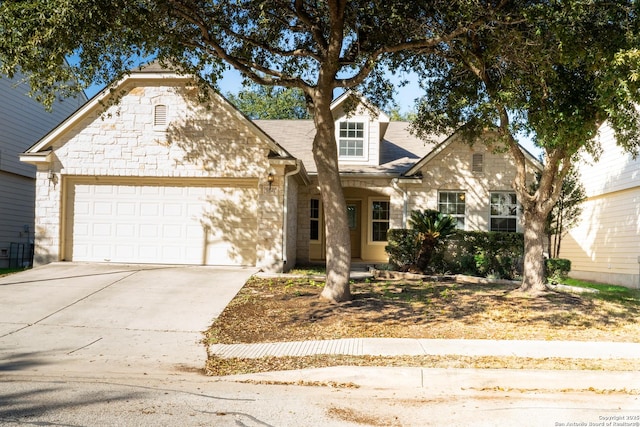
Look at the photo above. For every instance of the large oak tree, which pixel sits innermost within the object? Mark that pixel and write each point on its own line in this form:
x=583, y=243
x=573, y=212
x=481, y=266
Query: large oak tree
x=316, y=46
x=557, y=72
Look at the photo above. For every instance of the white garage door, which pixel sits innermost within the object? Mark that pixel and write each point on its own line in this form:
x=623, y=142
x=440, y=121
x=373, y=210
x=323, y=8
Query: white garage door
x=187, y=223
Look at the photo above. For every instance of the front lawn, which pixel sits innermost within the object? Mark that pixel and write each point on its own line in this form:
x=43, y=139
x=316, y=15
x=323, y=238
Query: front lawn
x=270, y=310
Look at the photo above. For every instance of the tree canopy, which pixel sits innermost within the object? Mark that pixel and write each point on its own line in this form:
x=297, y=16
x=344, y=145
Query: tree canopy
x=315, y=46
x=268, y=102
x=556, y=69
x=556, y=72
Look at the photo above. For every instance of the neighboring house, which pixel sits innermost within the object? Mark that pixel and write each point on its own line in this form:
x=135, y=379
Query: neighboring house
x=23, y=121
x=605, y=245
x=162, y=178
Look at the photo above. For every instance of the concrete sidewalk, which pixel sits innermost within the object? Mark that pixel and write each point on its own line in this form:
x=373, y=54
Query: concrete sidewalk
x=436, y=347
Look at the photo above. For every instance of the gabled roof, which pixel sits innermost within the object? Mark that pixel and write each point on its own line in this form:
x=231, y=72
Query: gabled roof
x=415, y=168
x=152, y=72
x=399, y=149
x=382, y=117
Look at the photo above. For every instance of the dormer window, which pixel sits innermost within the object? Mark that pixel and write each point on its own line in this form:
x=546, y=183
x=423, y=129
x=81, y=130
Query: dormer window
x=351, y=142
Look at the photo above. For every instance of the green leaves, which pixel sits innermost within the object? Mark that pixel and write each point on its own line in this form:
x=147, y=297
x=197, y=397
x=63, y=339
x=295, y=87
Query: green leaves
x=260, y=102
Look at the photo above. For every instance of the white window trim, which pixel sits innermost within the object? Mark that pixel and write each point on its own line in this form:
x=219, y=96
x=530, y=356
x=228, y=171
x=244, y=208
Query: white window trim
x=370, y=201
x=365, y=141
x=464, y=216
x=518, y=211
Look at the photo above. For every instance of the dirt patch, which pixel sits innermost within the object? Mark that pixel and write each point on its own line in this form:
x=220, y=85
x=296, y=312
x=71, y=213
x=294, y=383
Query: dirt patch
x=357, y=417
x=273, y=310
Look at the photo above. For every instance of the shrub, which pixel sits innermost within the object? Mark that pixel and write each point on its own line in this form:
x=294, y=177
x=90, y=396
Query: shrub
x=477, y=253
x=558, y=268
x=482, y=253
x=403, y=247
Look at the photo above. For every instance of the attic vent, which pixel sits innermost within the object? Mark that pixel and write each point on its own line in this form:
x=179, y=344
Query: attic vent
x=477, y=162
x=160, y=115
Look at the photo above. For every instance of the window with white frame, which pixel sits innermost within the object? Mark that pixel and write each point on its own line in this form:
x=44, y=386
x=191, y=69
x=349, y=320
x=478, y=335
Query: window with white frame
x=351, y=140
x=379, y=220
x=314, y=219
x=453, y=203
x=504, y=212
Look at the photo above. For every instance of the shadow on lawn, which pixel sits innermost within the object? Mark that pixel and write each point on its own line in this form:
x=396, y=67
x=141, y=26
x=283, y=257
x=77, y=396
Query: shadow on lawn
x=425, y=303
x=291, y=310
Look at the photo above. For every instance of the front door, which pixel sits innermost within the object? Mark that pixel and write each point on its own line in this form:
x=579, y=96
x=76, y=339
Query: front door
x=355, y=229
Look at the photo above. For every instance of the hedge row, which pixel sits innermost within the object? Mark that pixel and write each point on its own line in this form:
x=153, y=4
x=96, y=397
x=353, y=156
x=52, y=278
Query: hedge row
x=477, y=253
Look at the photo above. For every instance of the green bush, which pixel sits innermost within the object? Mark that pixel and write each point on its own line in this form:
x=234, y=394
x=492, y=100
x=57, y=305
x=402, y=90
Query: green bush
x=476, y=253
x=558, y=268
x=482, y=253
x=403, y=247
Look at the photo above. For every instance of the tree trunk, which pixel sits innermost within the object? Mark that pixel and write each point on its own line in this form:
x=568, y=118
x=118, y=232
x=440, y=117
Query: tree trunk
x=338, y=242
x=533, y=280
x=426, y=252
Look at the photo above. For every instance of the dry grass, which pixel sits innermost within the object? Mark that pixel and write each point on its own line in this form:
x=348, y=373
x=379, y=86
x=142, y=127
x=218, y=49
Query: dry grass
x=272, y=310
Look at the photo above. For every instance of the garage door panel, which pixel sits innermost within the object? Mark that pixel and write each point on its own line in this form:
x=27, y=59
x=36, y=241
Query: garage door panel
x=190, y=224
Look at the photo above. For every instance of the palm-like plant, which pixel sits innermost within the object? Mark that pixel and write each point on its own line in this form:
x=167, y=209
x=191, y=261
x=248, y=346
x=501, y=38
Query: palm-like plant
x=432, y=227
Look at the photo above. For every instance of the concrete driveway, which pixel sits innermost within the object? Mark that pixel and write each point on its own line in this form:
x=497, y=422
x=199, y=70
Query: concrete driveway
x=111, y=318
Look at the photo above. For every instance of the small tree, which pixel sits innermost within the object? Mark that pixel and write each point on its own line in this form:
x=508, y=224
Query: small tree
x=566, y=212
x=433, y=227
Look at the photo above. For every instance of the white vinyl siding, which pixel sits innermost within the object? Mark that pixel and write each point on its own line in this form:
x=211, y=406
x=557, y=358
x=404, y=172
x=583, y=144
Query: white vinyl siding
x=605, y=245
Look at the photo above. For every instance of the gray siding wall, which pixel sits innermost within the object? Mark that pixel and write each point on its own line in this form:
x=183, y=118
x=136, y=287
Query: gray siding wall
x=23, y=121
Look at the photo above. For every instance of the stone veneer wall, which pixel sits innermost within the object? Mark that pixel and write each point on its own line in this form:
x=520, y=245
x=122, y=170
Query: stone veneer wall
x=200, y=141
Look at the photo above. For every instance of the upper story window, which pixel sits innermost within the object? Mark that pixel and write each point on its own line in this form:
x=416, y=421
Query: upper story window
x=453, y=203
x=351, y=142
x=504, y=212
x=160, y=116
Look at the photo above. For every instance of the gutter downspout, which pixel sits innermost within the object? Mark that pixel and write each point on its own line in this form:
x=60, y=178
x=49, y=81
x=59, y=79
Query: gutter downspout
x=405, y=197
x=285, y=224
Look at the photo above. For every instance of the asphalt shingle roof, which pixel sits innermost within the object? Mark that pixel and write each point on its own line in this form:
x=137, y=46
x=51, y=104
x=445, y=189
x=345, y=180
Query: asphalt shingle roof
x=399, y=148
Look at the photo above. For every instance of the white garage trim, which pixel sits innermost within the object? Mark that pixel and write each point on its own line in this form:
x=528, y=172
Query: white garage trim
x=160, y=220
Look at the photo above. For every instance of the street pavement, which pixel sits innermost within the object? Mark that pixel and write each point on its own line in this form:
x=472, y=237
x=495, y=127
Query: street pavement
x=101, y=344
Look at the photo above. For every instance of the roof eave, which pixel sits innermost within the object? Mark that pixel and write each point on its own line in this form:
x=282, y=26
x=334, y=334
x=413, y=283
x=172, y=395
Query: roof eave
x=39, y=158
